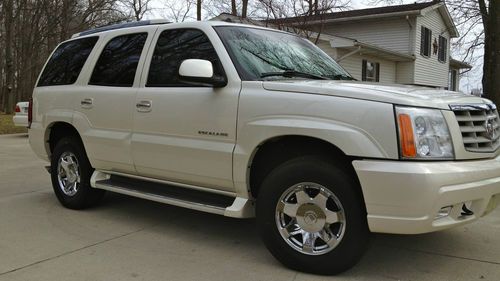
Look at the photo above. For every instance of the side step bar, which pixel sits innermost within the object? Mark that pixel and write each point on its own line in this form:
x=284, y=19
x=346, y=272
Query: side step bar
x=167, y=193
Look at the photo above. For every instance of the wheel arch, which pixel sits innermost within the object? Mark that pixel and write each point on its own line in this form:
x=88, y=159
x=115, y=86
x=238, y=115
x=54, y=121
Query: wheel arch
x=279, y=149
x=58, y=130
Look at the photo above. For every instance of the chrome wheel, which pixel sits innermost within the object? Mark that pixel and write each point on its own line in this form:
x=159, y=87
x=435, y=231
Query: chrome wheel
x=68, y=174
x=310, y=218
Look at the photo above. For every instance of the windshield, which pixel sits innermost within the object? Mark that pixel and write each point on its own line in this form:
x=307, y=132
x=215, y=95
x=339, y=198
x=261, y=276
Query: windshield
x=261, y=54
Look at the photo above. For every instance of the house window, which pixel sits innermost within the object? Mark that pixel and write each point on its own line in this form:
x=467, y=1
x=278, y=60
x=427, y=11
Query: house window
x=370, y=71
x=443, y=47
x=425, y=42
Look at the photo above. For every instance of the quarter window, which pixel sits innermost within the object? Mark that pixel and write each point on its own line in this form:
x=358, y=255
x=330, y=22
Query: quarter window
x=425, y=42
x=443, y=48
x=172, y=48
x=118, y=62
x=370, y=71
x=67, y=62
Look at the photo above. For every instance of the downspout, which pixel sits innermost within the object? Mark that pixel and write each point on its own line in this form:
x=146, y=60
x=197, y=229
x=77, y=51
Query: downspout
x=411, y=50
x=412, y=43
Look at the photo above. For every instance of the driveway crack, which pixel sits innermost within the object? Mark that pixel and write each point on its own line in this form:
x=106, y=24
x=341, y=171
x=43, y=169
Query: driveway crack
x=444, y=255
x=73, y=251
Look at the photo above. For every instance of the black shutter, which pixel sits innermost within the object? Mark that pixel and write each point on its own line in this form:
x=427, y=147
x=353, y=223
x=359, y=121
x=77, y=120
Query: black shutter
x=445, y=49
x=429, y=45
x=422, y=40
x=377, y=72
x=363, y=71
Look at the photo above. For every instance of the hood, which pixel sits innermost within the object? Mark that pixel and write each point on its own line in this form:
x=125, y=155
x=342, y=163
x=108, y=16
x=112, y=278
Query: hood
x=395, y=94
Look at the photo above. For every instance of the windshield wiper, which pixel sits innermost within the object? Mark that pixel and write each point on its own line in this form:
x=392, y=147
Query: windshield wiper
x=293, y=73
x=343, y=77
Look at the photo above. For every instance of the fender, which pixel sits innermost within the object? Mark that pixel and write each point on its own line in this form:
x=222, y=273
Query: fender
x=353, y=141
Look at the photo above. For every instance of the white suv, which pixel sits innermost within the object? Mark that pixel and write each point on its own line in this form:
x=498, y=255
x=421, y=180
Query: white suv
x=240, y=121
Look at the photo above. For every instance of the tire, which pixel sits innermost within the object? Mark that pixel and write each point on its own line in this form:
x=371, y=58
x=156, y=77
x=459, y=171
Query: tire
x=304, y=230
x=70, y=173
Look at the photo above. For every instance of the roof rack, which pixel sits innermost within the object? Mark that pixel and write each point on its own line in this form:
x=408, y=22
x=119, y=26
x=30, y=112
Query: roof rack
x=120, y=26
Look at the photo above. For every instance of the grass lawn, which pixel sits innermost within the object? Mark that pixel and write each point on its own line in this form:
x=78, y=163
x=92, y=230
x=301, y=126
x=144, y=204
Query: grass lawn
x=7, y=126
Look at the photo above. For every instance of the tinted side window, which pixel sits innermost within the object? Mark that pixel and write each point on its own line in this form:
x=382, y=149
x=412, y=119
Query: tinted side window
x=67, y=62
x=118, y=61
x=175, y=46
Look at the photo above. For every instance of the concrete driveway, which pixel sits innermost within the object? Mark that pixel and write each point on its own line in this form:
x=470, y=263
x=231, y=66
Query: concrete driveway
x=132, y=239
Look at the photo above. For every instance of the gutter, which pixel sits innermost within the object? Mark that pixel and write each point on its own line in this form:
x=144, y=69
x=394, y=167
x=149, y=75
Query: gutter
x=375, y=16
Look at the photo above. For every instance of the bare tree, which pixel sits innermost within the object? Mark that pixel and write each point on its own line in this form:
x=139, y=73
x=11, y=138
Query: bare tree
x=179, y=10
x=198, y=10
x=490, y=15
x=30, y=30
x=244, y=8
x=298, y=15
x=137, y=7
x=233, y=8
x=8, y=11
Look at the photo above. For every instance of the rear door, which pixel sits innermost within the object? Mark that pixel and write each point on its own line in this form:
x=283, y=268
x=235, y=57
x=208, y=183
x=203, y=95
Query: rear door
x=105, y=105
x=188, y=132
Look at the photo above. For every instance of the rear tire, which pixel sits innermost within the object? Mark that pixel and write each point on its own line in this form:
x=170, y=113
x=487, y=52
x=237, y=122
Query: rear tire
x=311, y=217
x=70, y=173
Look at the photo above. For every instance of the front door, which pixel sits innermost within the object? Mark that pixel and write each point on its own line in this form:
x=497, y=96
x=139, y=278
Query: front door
x=182, y=132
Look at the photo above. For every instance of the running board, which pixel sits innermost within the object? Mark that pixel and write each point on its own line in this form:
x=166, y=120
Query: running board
x=157, y=191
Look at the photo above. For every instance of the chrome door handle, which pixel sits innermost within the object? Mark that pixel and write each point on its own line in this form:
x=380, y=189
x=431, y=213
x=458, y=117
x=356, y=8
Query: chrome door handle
x=144, y=106
x=87, y=103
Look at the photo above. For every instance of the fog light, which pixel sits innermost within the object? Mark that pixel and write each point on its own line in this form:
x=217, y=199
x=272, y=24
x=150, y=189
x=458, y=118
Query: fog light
x=443, y=212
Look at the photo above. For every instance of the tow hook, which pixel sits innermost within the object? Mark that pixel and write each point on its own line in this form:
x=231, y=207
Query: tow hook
x=466, y=211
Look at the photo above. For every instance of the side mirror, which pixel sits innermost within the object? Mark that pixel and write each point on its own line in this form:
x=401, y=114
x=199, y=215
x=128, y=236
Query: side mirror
x=200, y=72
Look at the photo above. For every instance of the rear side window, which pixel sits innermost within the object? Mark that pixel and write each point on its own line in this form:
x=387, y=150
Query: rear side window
x=67, y=62
x=118, y=62
x=172, y=48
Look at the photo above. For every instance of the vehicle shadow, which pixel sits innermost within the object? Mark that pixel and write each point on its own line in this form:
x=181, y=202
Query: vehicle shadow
x=391, y=257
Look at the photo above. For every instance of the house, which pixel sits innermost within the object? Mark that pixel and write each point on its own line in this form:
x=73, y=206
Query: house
x=404, y=44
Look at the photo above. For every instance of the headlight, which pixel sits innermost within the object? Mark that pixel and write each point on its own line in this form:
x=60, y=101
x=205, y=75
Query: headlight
x=423, y=134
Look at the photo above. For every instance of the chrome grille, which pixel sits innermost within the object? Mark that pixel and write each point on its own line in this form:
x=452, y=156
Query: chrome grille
x=480, y=126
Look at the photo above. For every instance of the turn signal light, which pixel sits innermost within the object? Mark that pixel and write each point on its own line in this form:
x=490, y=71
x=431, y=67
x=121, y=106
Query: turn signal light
x=406, y=136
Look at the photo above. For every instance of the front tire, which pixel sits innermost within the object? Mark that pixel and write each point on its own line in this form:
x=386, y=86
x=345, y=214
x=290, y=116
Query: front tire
x=311, y=218
x=70, y=173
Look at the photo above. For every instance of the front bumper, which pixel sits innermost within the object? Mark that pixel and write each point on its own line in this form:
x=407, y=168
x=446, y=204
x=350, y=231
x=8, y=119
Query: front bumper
x=405, y=197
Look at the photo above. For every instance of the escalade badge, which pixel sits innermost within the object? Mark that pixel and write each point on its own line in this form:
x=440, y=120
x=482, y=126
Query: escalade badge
x=490, y=130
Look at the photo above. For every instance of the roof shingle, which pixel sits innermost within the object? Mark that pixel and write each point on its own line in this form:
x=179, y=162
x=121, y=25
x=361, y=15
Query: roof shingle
x=358, y=13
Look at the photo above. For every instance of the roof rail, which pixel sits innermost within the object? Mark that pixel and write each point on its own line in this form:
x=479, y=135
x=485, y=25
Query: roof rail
x=120, y=26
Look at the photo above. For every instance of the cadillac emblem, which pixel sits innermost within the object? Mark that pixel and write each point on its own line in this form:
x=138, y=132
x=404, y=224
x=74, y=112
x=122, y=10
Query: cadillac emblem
x=490, y=129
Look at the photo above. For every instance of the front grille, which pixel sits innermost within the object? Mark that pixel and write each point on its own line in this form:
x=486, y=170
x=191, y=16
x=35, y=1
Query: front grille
x=480, y=126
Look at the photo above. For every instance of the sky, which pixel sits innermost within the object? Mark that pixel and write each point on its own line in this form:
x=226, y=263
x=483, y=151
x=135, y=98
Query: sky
x=468, y=81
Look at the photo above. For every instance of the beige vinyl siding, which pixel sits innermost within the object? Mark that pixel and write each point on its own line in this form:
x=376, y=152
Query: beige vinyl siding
x=354, y=65
x=392, y=34
x=430, y=71
x=405, y=72
x=326, y=47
